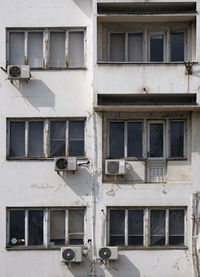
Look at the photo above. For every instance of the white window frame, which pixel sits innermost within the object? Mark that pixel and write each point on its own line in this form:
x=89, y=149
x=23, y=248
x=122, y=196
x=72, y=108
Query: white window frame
x=46, y=136
x=46, y=45
x=147, y=32
x=147, y=225
x=46, y=227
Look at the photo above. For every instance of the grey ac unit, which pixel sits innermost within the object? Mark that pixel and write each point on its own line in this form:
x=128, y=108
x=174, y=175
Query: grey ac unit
x=18, y=72
x=115, y=167
x=71, y=254
x=65, y=163
x=108, y=253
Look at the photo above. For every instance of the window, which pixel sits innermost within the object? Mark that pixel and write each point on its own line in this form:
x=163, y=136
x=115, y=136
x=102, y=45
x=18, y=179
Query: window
x=27, y=138
x=47, y=48
x=45, y=227
x=164, y=227
x=128, y=139
x=159, y=45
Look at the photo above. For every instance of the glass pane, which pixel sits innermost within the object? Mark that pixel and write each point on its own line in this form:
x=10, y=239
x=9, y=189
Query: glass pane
x=76, y=138
x=176, y=227
x=177, y=138
x=156, y=140
x=57, y=227
x=76, y=49
x=16, y=48
x=135, y=47
x=158, y=227
x=177, y=47
x=35, y=49
x=35, y=139
x=156, y=48
x=57, y=49
x=17, y=227
x=76, y=226
x=135, y=227
x=117, y=47
x=76, y=148
x=76, y=239
x=35, y=227
x=57, y=138
x=134, y=139
x=17, y=139
x=117, y=227
x=116, y=139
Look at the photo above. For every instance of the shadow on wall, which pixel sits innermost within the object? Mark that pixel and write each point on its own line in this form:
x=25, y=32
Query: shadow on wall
x=36, y=93
x=85, y=6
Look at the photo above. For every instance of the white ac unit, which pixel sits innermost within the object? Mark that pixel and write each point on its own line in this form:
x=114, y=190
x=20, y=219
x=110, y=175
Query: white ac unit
x=71, y=254
x=115, y=167
x=108, y=253
x=65, y=164
x=18, y=72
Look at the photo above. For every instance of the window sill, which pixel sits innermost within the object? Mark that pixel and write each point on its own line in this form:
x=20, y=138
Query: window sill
x=152, y=247
x=40, y=159
x=40, y=247
x=57, y=68
x=140, y=63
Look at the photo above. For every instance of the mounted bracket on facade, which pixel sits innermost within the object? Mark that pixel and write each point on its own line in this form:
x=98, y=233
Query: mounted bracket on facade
x=188, y=66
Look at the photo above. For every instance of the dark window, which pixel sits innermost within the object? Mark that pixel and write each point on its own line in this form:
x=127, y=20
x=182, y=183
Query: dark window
x=35, y=49
x=177, y=139
x=156, y=48
x=57, y=49
x=16, y=48
x=17, y=139
x=76, y=138
x=117, y=47
x=157, y=227
x=76, y=49
x=57, y=138
x=76, y=226
x=35, y=139
x=176, y=227
x=135, y=227
x=17, y=227
x=57, y=227
x=156, y=140
x=135, y=47
x=35, y=227
x=117, y=227
x=134, y=139
x=177, y=47
x=116, y=139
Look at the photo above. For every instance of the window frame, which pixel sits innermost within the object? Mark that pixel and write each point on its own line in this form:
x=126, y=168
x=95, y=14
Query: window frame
x=146, y=33
x=46, y=137
x=146, y=227
x=46, y=46
x=46, y=227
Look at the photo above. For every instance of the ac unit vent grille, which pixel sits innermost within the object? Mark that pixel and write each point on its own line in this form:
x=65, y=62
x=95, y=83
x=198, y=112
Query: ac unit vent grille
x=15, y=71
x=105, y=253
x=68, y=255
x=61, y=163
x=113, y=167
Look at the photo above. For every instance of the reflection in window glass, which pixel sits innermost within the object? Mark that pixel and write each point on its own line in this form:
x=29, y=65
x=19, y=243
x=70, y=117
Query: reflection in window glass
x=57, y=49
x=35, y=227
x=57, y=138
x=16, y=48
x=177, y=47
x=157, y=227
x=135, y=227
x=116, y=139
x=17, y=227
x=117, y=227
x=76, y=49
x=57, y=227
x=76, y=226
x=17, y=139
x=176, y=227
x=135, y=47
x=35, y=139
x=156, y=48
x=134, y=139
x=156, y=140
x=177, y=138
x=76, y=138
x=117, y=47
x=35, y=49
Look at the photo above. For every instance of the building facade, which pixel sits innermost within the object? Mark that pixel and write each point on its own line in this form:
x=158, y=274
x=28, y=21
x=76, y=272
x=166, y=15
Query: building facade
x=114, y=87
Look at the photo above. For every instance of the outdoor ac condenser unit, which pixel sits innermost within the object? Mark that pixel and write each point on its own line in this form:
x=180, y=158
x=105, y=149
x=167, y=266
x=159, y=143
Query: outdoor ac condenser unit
x=65, y=164
x=71, y=254
x=108, y=253
x=18, y=72
x=115, y=167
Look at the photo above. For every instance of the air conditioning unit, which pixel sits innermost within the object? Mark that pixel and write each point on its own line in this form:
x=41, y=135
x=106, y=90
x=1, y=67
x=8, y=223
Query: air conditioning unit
x=115, y=167
x=71, y=254
x=18, y=72
x=108, y=253
x=65, y=164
